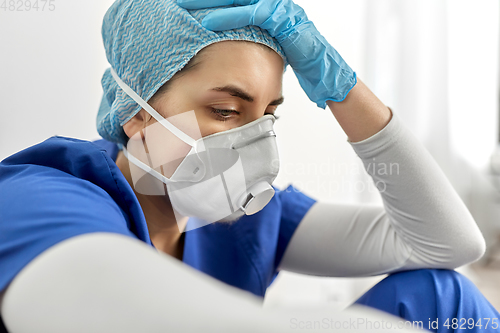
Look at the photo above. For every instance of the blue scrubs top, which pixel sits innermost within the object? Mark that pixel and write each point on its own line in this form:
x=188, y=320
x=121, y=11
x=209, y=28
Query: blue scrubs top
x=66, y=187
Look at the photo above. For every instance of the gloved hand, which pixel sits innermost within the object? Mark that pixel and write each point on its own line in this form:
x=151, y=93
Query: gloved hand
x=321, y=71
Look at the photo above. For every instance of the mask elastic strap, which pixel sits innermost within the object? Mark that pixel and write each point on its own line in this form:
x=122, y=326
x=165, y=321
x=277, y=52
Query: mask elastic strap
x=146, y=168
x=168, y=125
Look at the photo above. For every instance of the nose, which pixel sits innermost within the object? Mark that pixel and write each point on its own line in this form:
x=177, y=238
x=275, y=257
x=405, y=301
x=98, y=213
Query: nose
x=257, y=112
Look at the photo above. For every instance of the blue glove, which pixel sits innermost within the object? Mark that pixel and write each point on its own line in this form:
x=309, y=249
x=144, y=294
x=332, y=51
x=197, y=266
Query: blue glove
x=321, y=71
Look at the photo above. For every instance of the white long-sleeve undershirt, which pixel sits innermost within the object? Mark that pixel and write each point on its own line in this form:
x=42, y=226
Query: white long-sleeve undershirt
x=423, y=222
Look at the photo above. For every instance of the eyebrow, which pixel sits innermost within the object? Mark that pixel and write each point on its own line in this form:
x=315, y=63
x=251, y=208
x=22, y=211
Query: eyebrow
x=237, y=92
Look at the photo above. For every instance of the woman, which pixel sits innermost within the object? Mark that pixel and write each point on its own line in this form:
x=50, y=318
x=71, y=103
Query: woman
x=78, y=215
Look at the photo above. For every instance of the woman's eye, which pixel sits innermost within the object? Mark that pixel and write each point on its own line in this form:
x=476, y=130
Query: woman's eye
x=224, y=114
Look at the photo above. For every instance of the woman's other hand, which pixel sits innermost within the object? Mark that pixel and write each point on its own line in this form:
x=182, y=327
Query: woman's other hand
x=321, y=71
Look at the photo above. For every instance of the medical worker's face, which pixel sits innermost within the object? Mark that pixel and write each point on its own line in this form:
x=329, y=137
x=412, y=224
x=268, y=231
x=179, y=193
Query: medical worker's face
x=231, y=84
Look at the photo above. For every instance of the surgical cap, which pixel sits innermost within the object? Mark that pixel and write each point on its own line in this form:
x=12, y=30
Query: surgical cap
x=147, y=42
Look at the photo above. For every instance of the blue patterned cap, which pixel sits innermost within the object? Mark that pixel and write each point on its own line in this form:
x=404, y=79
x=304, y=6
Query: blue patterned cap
x=147, y=42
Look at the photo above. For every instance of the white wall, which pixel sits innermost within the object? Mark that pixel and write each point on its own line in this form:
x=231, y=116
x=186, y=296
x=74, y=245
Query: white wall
x=51, y=63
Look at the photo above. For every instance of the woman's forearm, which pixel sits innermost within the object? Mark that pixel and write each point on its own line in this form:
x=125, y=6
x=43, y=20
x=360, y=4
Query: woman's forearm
x=112, y=283
x=361, y=114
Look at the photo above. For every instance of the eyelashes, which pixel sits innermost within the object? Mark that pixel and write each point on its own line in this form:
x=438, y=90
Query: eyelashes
x=224, y=115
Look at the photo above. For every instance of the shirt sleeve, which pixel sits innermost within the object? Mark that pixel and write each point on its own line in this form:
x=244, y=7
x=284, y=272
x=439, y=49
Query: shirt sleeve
x=42, y=206
x=423, y=222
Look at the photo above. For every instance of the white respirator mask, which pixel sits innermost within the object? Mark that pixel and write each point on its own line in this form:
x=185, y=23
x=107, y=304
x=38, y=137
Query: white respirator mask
x=222, y=177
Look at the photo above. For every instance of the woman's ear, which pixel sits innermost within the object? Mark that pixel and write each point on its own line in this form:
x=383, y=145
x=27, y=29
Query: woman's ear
x=136, y=124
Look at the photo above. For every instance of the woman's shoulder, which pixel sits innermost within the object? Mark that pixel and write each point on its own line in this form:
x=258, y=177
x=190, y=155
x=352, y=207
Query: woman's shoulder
x=56, y=190
x=65, y=175
x=63, y=157
x=293, y=200
x=66, y=154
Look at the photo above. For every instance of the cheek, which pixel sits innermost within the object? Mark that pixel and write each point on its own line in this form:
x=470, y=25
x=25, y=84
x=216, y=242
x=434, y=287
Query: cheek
x=164, y=148
x=187, y=114
x=207, y=124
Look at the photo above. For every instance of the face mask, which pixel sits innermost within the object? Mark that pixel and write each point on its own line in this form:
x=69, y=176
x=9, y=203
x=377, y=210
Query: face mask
x=224, y=175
